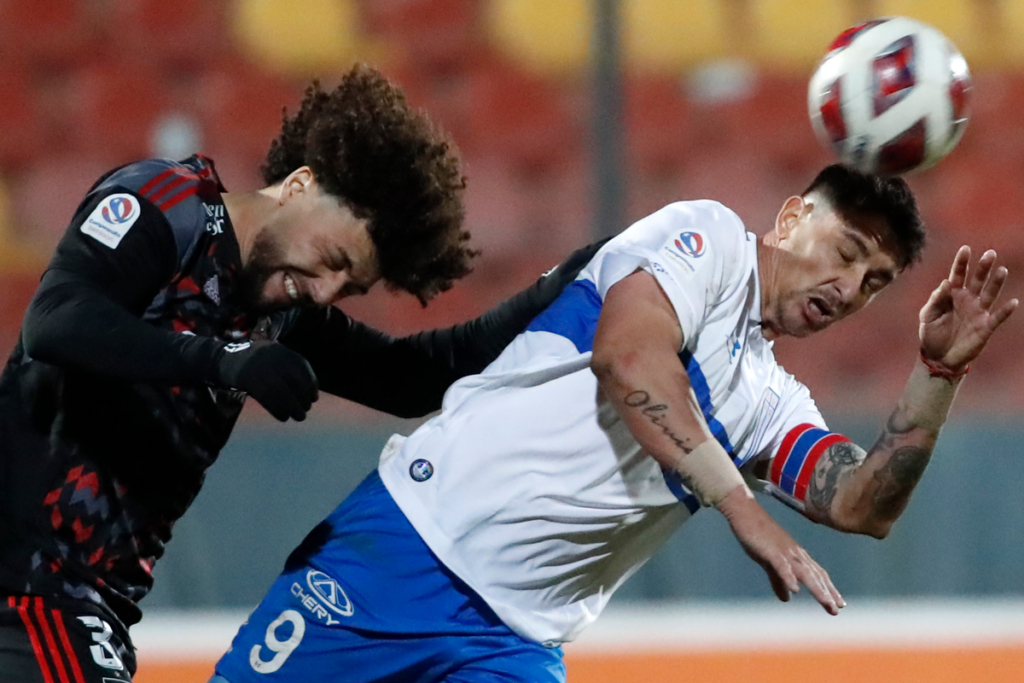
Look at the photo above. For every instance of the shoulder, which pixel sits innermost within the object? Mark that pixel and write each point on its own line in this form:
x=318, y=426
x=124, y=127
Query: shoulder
x=186, y=193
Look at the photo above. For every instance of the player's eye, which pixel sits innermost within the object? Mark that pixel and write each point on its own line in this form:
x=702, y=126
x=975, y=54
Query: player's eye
x=847, y=256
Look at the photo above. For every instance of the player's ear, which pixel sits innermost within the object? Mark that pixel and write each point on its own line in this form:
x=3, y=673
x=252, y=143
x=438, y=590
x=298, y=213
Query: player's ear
x=789, y=216
x=297, y=183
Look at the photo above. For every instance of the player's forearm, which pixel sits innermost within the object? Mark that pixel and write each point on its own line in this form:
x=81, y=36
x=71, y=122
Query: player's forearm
x=71, y=326
x=867, y=492
x=653, y=397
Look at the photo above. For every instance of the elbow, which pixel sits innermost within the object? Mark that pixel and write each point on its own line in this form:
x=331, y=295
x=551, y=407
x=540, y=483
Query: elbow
x=865, y=523
x=613, y=366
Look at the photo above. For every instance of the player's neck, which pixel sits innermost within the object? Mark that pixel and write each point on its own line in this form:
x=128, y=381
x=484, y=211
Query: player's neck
x=769, y=262
x=247, y=212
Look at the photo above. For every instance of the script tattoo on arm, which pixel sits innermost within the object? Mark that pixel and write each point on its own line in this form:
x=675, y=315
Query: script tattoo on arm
x=836, y=462
x=641, y=400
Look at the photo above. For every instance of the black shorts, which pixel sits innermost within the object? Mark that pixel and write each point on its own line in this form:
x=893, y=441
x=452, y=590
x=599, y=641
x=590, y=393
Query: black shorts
x=55, y=640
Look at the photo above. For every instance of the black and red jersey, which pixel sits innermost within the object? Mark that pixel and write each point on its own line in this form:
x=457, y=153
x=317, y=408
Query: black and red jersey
x=107, y=428
x=97, y=469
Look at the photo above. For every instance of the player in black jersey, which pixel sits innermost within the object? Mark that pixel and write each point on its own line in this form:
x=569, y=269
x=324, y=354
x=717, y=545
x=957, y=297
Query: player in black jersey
x=166, y=303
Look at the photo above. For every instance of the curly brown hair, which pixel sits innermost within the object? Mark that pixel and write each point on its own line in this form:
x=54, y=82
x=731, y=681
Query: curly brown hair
x=390, y=165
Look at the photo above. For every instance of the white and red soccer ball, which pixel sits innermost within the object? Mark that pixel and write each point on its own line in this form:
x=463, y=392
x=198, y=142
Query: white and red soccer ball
x=890, y=96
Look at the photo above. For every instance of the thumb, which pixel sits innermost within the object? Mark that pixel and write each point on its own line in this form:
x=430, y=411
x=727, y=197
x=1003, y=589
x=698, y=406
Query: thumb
x=938, y=303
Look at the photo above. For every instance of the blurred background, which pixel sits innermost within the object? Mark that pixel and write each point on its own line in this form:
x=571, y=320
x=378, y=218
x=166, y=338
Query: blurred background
x=574, y=118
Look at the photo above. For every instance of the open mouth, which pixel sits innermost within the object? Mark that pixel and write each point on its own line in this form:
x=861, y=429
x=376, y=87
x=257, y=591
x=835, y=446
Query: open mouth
x=822, y=307
x=291, y=287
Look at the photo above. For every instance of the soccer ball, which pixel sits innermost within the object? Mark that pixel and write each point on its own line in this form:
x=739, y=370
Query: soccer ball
x=890, y=97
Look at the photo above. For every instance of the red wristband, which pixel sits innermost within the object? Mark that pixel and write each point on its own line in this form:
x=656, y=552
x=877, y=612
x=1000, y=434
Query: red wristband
x=939, y=370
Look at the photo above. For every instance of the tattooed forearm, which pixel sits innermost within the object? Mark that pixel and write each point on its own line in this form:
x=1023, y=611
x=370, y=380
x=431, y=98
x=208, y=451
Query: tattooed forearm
x=641, y=400
x=835, y=462
x=896, y=480
x=895, y=427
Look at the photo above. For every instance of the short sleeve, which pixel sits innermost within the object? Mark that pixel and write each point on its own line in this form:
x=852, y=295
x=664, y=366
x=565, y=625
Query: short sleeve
x=797, y=442
x=693, y=249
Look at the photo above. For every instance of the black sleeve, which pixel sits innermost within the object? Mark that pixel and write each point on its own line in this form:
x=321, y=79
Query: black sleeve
x=408, y=376
x=86, y=313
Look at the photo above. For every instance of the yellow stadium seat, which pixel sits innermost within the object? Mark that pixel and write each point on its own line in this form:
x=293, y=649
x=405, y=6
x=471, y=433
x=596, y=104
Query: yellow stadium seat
x=670, y=36
x=546, y=36
x=304, y=38
x=1010, y=36
x=961, y=20
x=795, y=33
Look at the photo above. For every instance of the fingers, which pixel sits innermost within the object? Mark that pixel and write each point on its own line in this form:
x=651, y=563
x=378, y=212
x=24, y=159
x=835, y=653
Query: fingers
x=979, y=275
x=992, y=287
x=958, y=273
x=1004, y=312
x=787, y=574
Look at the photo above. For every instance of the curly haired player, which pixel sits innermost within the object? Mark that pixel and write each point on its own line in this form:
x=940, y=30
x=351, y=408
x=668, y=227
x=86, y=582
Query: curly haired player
x=167, y=302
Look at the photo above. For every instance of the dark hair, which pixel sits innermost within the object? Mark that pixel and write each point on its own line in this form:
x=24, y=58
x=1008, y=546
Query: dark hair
x=388, y=164
x=854, y=195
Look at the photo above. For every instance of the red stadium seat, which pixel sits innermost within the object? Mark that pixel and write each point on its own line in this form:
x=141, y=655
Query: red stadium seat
x=427, y=31
x=20, y=132
x=114, y=108
x=48, y=32
x=185, y=33
x=240, y=107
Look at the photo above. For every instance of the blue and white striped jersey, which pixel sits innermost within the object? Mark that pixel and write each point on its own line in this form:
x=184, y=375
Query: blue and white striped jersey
x=528, y=485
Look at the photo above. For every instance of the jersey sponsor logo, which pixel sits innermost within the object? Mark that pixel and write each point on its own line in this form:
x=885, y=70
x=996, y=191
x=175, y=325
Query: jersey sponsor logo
x=324, y=596
x=214, y=218
x=112, y=218
x=691, y=244
x=421, y=470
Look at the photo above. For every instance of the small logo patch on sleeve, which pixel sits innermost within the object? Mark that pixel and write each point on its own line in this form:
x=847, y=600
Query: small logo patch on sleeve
x=112, y=218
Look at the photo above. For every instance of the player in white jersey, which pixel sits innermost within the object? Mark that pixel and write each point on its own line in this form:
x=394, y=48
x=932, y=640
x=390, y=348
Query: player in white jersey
x=499, y=529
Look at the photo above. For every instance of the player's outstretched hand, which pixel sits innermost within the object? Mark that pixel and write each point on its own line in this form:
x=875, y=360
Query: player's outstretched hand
x=962, y=313
x=786, y=563
x=280, y=379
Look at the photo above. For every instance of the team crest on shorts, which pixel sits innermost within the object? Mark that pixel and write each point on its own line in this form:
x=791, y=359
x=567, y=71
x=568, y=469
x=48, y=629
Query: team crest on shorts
x=421, y=470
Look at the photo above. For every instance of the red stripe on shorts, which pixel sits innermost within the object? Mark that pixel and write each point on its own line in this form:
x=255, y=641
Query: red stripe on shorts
x=58, y=621
x=51, y=644
x=34, y=639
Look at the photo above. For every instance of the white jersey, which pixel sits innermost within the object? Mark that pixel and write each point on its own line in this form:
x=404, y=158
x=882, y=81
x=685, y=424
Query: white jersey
x=530, y=488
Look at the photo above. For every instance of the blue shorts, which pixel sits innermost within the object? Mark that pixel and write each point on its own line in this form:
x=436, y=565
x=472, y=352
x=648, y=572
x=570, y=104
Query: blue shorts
x=363, y=599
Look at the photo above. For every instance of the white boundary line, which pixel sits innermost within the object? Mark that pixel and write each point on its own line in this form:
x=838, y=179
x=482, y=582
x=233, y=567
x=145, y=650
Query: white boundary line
x=691, y=627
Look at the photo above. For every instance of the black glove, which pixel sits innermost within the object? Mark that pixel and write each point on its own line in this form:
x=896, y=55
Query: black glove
x=280, y=379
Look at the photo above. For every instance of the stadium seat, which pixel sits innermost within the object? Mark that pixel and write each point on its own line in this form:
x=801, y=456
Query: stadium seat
x=240, y=108
x=668, y=36
x=183, y=33
x=320, y=38
x=21, y=133
x=794, y=34
x=43, y=198
x=113, y=108
x=54, y=33
x=543, y=36
x=431, y=33
x=521, y=117
x=657, y=120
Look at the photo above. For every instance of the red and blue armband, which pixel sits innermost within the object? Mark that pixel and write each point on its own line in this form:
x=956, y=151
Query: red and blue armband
x=794, y=464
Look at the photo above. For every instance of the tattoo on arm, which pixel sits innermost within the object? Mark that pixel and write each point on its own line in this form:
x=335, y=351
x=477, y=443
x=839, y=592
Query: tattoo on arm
x=896, y=480
x=835, y=462
x=641, y=401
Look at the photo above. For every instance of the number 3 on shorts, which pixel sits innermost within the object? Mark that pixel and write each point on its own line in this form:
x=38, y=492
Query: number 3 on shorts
x=281, y=648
